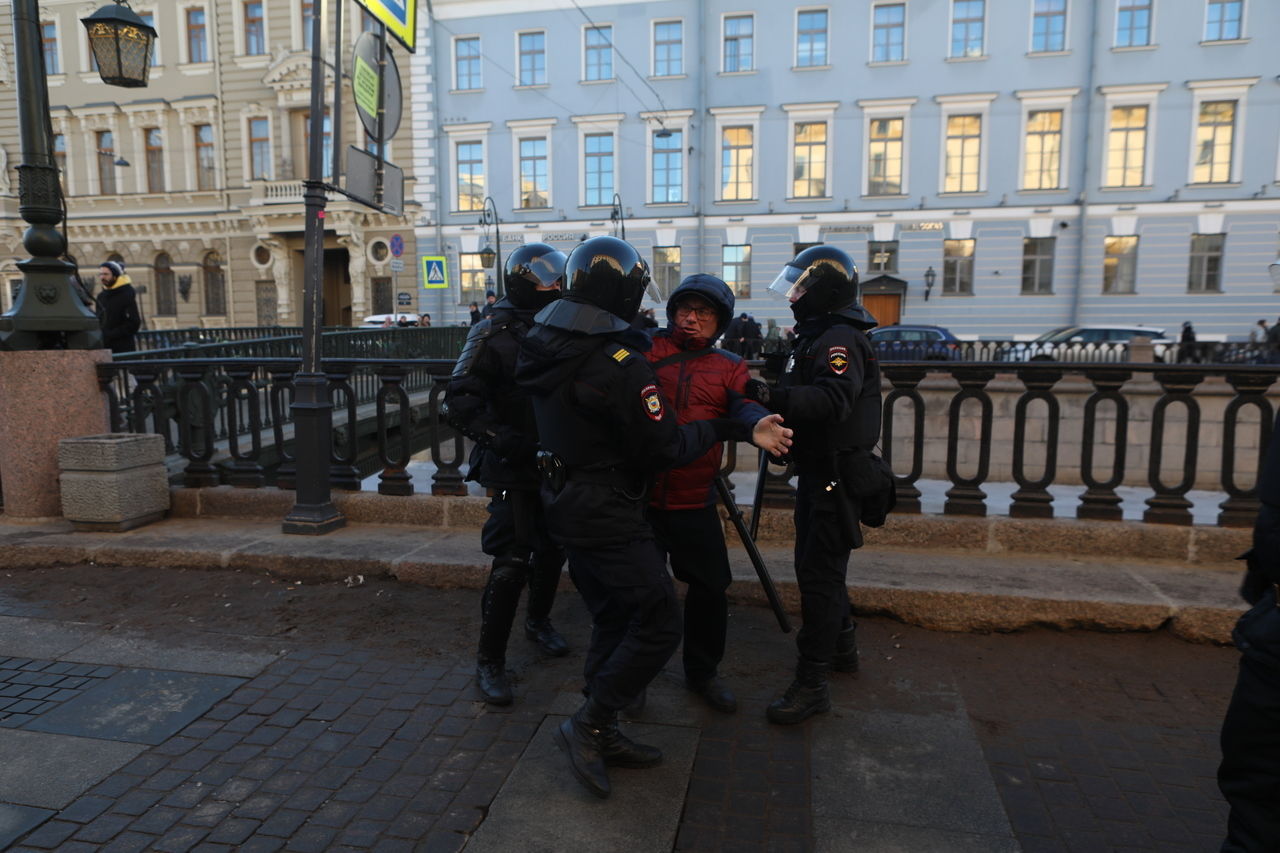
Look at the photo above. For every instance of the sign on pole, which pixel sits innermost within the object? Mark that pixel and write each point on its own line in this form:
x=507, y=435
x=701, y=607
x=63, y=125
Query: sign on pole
x=435, y=273
x=400, y=16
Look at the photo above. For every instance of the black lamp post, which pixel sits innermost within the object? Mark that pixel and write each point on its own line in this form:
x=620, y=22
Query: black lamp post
x=930, y=276
x=47, y=313
x=121, y=43
x=619, y=218
x=1274, y=269
x=491, y=258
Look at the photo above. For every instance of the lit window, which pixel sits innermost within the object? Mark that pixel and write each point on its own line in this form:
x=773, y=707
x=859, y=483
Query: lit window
x=598, y=168
x=1215, y=138
x=668, y=166
x=473, y=280
x=739, y=39
x=470, y=160
x=1224, y=19
x=811, y=38
x=735, y=269
x=1043, y=150
x=533, y=59
x=809, y=171
x=666, y=269
x=968, y=22
x=1119, y=264
x=889, y=33
x=1037, y=264
x=668, y=48
x=466, y=69
x=1049, y=26
x=737, y=149
x=884, y=157
x=964, y=149
x=533, y=173
x=1133, y=23
x=598, y=49
x=957, y=266
x=1205, y=274
x=1127, y=147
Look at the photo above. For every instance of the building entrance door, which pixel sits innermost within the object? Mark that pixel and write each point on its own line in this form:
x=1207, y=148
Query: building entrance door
x=885, y=307
x=337, y=288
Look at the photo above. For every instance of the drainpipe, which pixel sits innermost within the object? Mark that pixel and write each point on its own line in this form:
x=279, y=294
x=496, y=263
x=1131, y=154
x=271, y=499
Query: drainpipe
x=702, y=134
x=1085, y=172
x=437, y=141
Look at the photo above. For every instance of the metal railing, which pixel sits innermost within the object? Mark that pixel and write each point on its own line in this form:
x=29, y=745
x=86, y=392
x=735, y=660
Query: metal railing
x=243, y=403
x=1076, y=352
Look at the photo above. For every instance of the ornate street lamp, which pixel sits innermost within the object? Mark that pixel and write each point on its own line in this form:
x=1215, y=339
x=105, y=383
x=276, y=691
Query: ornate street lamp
x=121, y=43
x=619, y=218
x=1274, y=269
x=491, y=258
x=930, y=276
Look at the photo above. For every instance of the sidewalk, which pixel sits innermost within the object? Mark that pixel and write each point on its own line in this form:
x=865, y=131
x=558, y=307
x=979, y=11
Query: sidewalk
x=168, y=708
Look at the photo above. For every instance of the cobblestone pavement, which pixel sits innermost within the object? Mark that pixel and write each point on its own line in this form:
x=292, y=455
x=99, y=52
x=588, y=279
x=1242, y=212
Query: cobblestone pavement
x=363, y=733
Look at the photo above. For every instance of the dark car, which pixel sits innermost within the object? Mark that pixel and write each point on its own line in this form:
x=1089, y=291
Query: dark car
x=915, y=343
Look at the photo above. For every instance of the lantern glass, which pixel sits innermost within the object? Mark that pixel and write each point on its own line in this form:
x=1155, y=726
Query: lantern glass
x=121, y=44
x=488, y=256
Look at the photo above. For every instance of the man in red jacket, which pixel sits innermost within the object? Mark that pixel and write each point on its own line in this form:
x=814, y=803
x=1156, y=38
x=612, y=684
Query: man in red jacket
x=700, y=381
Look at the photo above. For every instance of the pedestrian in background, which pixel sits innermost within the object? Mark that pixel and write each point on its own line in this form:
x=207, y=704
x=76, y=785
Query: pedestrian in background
x=424, y=321
x=117, y=308
x=476, y=316
x=752, y=338
x=1249, y=776
x=490, y=298
x=1258, y=334
x=1187, y=343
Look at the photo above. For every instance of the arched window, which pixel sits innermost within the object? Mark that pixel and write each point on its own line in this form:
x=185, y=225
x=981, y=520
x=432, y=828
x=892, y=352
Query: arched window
x=166, y=296
x=215, y=286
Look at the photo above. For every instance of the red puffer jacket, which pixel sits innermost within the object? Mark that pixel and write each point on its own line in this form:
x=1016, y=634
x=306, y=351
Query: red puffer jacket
x=708, y=386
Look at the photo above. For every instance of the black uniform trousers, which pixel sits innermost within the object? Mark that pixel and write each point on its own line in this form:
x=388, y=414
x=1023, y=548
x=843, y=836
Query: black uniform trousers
x=516, y=529
x=1249, y=776
x=693, y=540
x=635, y=617
x=822, y=565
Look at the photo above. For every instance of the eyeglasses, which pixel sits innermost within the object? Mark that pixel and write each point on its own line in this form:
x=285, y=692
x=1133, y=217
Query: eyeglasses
x=703, y=313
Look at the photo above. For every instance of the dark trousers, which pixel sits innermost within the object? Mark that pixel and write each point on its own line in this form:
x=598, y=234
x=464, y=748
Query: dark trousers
x=515, y=535
x=822, y=564
x=693, y=540
x=1249, y=777
x=635, y=617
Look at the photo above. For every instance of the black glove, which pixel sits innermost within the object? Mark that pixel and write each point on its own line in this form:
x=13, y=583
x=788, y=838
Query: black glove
x=757, y=390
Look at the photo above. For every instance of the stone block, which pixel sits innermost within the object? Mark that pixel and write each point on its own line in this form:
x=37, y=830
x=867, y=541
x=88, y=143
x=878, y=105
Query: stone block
x=111, y=452
x=114, y=500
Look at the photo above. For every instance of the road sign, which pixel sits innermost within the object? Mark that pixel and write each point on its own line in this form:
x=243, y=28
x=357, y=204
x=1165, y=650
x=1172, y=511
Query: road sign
x=365, y=81
x=404, y=298
x=435, y=272
x=363, y=185
x=397, y=245
x=400, y=16
x=397, y=265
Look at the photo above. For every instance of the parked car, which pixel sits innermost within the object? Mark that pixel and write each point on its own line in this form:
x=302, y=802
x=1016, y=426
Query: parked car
x=915, y=343
x=1089, y=343
x=379, y=321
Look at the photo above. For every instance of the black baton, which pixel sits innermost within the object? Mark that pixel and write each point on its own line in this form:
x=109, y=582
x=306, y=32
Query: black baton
x=735, y=515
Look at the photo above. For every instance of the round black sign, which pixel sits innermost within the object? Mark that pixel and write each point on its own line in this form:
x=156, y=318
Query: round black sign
x=364, y=84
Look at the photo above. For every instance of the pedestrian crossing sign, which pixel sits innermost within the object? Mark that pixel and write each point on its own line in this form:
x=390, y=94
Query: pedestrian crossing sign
x=400, y=17
x=435, y=272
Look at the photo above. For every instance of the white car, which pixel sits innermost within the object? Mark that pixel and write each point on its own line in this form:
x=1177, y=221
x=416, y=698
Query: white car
x=1088, y=343
x=378, y=321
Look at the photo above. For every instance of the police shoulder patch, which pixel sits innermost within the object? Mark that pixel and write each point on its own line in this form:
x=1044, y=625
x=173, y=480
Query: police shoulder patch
x=651, y=399
x=621, y=355
x=838, y=359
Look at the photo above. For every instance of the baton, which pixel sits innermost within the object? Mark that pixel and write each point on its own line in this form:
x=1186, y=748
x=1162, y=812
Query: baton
x=735, y=515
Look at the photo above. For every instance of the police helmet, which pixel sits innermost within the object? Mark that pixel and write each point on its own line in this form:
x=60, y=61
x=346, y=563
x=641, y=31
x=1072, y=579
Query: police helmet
x=609, y=273
x=821, y=279
x=529, y=266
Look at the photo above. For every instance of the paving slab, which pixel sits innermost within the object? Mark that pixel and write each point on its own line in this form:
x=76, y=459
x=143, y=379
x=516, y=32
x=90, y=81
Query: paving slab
x=543, y=809
x=21, y=637
x=17, y=821
x=143, y=706
x=210, y=654
x=869, y=837
x=49, y=770
x=876, y=767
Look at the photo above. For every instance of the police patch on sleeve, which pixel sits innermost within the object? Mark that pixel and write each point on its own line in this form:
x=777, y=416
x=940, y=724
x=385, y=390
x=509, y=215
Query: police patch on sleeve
x=838, y=359
x=652, y=400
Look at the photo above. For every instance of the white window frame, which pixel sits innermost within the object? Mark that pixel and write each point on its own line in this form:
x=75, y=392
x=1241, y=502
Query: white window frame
x=1066, y=35
x=1231, y=89
x=460, y=133
x=157, y=55
x=795, y=57
x=802, y=114
x=736, y=117
x=653, y=49
x=1151, y=30
x=875, y=108
x=184, y=49
x=141, y=118
x=241, y=37
x=453, y=61
x=61, y=124
x=613, y=54
x=1034, y=100
x=58, y=41
x=871, y=29
x=546, y=59
x=531, y=128
x=951, y=19
x=192, y=112
x=1244, y=26
x=1131, y=95
x=724, y=19
x=964, y=105
x=90, y=123
x=247, y=157
x=594, y=125
x=675, y=121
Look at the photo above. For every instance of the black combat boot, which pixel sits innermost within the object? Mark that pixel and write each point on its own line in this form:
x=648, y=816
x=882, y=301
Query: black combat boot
x=806, y=696
x=846, y=657
x=491, y=678
x=621, y=751
x=549, y=640
x=498, y=608
x=715, y=693
x=583, y=738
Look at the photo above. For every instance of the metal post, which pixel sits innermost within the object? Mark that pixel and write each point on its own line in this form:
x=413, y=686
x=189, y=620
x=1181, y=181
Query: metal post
x=619, y=216
x=313, y=511
x=47, y=314
x=489, y=214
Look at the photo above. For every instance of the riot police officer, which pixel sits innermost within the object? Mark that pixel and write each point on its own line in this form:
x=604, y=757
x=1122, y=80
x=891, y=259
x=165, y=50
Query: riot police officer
x=605, y=428
x=830, y=395
x=483, y=402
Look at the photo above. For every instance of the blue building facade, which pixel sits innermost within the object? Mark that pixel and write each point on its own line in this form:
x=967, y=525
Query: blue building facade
x=998, y=168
